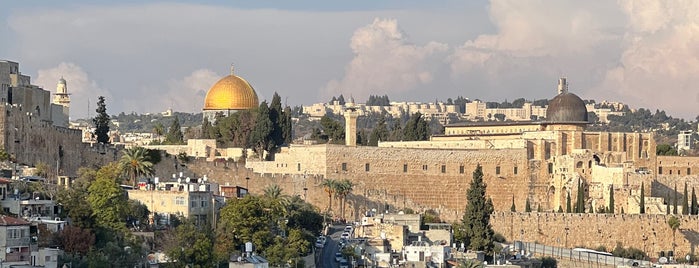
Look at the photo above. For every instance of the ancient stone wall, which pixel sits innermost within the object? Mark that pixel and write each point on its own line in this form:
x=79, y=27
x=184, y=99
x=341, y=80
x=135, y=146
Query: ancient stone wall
x=649, y=233
x=31, y=141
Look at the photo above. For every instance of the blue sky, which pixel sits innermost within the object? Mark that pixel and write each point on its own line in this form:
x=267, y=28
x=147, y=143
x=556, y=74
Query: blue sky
x=148, y=56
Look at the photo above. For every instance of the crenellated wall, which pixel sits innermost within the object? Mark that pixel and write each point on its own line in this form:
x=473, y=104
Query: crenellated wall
x=30, y=141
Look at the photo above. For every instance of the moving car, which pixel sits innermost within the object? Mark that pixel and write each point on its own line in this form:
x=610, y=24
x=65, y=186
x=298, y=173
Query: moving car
x=338, y=257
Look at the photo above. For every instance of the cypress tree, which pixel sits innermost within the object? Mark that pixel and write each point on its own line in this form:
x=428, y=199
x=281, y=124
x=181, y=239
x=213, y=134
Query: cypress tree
x=694, y=203
x=174, y=133
x=622, y=210
x=674, y=201
x=568, y=208
x=667, y=204
x=560, y=209
x=527, y=206
x=611, y=199
x=476, y=219
x=538, y=208
x=580, y=203
x=685, y=205
x=101, y=121
x=643, y=200
x=513, y=208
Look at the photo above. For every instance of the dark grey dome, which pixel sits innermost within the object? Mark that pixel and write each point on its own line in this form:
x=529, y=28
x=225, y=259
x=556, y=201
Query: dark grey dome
x=566, y=107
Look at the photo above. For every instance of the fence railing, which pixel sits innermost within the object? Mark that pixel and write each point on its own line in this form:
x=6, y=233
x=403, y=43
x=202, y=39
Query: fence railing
x=581, y=256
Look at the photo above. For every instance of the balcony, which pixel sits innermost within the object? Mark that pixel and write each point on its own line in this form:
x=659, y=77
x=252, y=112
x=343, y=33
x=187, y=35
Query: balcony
x=17, y=256
x=18, y=242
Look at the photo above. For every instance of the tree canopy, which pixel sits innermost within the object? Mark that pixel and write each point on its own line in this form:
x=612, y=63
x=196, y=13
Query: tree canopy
x=101, y=121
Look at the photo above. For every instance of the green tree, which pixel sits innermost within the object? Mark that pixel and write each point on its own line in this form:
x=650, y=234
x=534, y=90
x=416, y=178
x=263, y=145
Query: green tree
x=665, y=149
x=334, y=129
x=108, y=200
x=568, y=206
x=674, y=224
x=538, y=208
x=101, y=122
x=476, y=217
x=136, y=162
x=273, y=191
x=190, y=245
x=380, y=132
x=330, y=187
x=685, y=206
x=694, y=202
x=174, y=133
x=674, y=201
x=527, y=206
x=159, y=129
x=667, y=204
x=73, y=200
x=416, y=129
x=343, y=189
x=513, y=208
x=611, y=199
x=642, y=203
x=260, y=137
x=286, y=125
x=243, y=220
x=580, y=202
x=275, y=115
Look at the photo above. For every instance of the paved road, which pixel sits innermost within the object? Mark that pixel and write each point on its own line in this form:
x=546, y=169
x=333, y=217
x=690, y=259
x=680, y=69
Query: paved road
x=327, y=256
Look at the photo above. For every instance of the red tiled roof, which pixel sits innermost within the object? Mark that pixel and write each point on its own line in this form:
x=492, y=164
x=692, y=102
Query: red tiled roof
x=10, y=221
x=5, y=181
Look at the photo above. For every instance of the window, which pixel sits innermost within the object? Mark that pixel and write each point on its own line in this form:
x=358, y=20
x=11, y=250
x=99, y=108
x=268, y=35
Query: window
x=689, y=171
x=550, y=168
x=660, y=170
x=497, y=170
x=344, y=166
x=194, y=204
x=461, y=169
x=179, y=200
x=405, y=168
x=515, y=170
x=298, y=167
x=424, y=167
x=204, y=203
x=444, y=168
x=366, y=167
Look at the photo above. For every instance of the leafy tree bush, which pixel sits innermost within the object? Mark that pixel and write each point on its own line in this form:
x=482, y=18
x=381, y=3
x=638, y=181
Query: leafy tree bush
x=549, y=262
x=101, y=122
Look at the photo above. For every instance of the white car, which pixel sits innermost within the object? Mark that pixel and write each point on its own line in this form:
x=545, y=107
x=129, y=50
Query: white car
x=322, y=239
x=344, y=264
x=349, y=228
x=319, y=244
x=345, y=235
x=338, y=257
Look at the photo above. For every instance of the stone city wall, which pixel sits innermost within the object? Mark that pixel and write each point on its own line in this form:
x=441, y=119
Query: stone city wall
x=31, y=141
x=649, y=233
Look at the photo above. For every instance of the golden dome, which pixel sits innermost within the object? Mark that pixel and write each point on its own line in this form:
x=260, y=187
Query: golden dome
x=231, y=93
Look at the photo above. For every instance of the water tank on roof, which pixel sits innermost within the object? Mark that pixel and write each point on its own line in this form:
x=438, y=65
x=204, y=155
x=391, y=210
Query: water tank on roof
x=248, y=247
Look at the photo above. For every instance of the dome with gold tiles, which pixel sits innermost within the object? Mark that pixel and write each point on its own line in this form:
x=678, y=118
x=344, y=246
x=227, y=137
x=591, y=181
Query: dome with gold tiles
x=231, y=93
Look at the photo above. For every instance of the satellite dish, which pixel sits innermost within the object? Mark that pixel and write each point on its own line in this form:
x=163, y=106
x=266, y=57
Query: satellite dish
x=156, y=180
x=179, y=180
x=174, y=175
x=8, y=250
x=662, y=260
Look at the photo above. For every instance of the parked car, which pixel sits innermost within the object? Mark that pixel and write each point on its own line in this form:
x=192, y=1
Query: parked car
x=338, y=257
x=345, y=235
x=344, y=264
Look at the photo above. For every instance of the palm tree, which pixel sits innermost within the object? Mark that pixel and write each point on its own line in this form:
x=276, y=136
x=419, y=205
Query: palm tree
x=273, y=191
x=158, y=129
x=135, y=162
x=469, y=263
x=343, y=188
x=330, y=186
x=674, y=224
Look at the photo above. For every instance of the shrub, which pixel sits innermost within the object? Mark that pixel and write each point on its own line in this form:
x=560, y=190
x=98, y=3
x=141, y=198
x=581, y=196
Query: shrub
x=548, y=262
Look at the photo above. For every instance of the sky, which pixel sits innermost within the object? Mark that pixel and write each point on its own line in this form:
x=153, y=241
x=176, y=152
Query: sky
x=148, y=56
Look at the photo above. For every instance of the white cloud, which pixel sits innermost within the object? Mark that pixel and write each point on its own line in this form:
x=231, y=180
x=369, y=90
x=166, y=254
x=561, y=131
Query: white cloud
x=661, y=55
x=385, y=62
x=188, y=93
x=81, y=87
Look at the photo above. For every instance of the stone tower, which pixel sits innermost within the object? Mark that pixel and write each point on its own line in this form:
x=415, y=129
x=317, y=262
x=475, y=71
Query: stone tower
x=62, y=97
x=351, y=127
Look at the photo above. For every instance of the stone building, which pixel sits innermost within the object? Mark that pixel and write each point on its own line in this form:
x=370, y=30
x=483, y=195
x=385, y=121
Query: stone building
x=539, y=161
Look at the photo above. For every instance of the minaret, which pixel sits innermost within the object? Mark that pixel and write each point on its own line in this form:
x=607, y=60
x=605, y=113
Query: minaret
x=62, y=97
x=351, y=126
x=562, y=85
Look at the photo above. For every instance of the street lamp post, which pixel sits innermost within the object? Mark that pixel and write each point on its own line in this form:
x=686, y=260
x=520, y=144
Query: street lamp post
x=247, y=184
x=567, y=229
x=521, y=239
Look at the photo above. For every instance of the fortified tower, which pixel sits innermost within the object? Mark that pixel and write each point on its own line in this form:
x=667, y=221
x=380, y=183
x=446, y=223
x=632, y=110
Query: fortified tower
x=351, y=126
